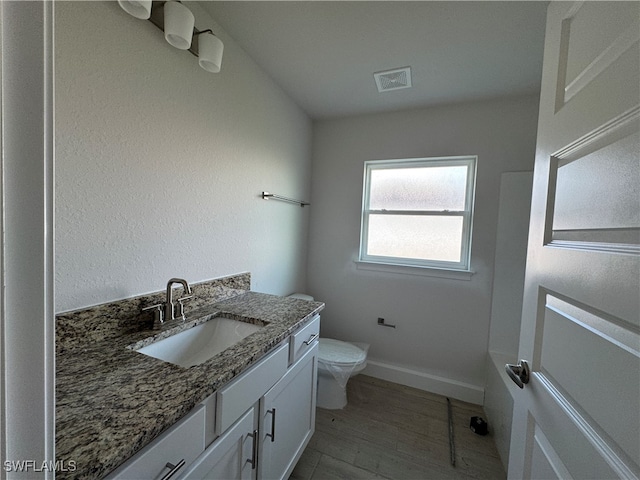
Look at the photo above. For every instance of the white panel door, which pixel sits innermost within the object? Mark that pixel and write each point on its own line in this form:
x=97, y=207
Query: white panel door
x=579, y=414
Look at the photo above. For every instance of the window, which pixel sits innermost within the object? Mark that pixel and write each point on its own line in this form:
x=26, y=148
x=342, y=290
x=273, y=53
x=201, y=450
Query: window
x=418, y=212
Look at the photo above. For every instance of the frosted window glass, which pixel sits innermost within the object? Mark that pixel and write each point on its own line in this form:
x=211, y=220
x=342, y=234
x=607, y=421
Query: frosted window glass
x=419, y=188
x=415, y=236
x=418, y=212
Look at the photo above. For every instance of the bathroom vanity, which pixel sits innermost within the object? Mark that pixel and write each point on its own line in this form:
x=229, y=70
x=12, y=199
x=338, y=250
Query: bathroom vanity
x=257, y=426
x=247, y=412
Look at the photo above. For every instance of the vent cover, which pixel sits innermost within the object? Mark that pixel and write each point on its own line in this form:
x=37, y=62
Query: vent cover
x=393, y=79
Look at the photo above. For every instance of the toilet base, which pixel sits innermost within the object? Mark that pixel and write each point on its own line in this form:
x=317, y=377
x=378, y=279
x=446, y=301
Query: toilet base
x=331, y=395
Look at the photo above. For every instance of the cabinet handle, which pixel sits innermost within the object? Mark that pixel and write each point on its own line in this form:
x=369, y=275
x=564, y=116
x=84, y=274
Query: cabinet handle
x=174, y=469
x=254, y=450
x=311, y=339
x=273, y=424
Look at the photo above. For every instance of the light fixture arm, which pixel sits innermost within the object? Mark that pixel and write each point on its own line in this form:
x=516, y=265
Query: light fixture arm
x=208, y=30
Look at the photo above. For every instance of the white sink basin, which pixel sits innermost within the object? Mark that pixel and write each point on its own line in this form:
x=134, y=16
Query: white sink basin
x=198, y=344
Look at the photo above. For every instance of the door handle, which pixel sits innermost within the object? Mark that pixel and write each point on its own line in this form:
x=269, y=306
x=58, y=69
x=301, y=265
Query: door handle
x=173, y=469
x=519, y=373
x=273, y=425
x=311, y=339
x=254, y=449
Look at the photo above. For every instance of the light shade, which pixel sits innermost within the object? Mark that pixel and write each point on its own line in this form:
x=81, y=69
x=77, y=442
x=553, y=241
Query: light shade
x=210, y=50
x=138, y=8
x=178, y=25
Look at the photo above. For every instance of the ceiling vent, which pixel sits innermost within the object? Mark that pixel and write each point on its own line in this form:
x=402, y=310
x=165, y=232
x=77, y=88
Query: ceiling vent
x=393, y=79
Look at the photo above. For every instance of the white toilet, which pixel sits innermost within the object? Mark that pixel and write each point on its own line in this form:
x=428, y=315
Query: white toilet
x=337, y=362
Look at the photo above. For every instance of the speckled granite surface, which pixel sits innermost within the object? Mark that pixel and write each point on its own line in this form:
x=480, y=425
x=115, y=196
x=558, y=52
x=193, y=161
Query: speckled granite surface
x=111, y=320
x=111, y=401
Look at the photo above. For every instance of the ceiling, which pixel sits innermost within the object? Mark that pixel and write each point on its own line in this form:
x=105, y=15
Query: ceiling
x=324, y=53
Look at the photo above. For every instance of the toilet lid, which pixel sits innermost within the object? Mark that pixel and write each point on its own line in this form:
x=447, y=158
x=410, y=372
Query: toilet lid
x=336, y=352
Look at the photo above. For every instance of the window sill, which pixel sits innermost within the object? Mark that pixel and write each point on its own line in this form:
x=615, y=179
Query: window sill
x=414, y=270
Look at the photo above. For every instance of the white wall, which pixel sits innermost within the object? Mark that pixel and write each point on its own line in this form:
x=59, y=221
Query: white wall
x=506, y=304
x=440, y=342
x=159, y=164
x=510, y=262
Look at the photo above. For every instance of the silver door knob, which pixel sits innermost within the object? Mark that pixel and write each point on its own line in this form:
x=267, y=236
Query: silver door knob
x=519, y=373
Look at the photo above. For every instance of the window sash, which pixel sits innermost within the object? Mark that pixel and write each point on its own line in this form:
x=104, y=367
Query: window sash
x=444, y=213
x=467, y=214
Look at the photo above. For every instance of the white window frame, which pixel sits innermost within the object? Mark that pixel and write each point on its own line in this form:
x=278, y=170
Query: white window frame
x=464, y=265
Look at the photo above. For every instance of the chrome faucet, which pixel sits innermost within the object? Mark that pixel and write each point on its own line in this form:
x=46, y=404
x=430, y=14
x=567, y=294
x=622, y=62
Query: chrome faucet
x=169, y=312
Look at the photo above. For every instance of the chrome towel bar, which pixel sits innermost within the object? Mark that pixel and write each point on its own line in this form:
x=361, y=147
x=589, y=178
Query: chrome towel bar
x=267, y=196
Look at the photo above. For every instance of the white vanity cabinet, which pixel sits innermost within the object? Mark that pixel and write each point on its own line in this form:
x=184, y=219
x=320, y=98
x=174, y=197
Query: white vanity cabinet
x=255, y=427
x=270, y=447
x=280, y=391
x=288, y=418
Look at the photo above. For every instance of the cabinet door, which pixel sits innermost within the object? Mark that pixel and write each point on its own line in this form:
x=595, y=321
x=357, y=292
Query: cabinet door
x=232, y=456
x=287, y=418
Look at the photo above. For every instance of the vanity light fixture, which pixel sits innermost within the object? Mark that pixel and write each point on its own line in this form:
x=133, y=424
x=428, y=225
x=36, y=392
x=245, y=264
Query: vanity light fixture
x=138, y=8
x=210, y=50
x=178, y=24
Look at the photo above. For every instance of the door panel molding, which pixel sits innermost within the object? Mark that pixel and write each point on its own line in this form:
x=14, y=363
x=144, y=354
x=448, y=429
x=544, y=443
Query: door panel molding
x=568, y=328
x=599, y=225
x=618, y=127
x=548, y=454
x=575, y=74
x=623, y=465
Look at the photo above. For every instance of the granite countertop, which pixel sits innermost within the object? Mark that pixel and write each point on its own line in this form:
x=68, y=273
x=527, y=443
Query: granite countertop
x=111, y=400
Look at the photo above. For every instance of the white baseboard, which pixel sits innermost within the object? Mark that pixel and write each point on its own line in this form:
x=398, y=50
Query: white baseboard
x=425, y=381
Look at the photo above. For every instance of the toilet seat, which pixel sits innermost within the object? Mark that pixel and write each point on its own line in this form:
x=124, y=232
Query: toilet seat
x=340, y=354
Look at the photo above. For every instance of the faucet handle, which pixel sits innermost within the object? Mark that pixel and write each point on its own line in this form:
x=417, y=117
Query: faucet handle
x=158, y=314
x=180, y=306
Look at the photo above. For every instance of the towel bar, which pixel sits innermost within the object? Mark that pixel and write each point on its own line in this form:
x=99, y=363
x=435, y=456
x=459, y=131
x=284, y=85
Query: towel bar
x=267, y=196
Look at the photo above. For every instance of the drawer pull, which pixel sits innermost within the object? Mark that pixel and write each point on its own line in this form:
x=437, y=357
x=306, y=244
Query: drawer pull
x=174, y=469
x=254, y=450
x=311, y=339
x=273, y=424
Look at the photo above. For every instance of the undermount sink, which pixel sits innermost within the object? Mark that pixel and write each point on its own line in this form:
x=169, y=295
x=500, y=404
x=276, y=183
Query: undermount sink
x=198, y=344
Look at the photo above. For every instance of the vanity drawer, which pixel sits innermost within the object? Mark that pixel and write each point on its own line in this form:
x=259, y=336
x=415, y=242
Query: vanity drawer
x=179, y=445
x=209, y=405
x=304, y=339
x=243, y=392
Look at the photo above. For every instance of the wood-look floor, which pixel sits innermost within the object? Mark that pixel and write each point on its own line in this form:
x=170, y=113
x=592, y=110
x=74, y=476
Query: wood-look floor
x=389, y=431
